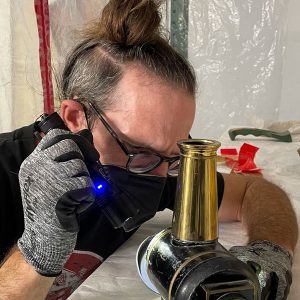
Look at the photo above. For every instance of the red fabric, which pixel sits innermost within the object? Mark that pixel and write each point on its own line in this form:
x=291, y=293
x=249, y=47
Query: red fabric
x=229, y=151
x=245, y=162
x=43, y=23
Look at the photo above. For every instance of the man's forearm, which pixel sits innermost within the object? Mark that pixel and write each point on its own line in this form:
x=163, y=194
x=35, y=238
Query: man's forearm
x=19, y=280
x=263, y=207
x=267, y=213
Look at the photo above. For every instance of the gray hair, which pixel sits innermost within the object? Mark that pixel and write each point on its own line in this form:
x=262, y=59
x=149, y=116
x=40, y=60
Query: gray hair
x=94, y=68
x=128, y=33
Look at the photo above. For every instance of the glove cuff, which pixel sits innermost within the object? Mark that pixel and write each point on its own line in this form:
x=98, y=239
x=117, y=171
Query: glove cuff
x=272, y=246
x=47, y=259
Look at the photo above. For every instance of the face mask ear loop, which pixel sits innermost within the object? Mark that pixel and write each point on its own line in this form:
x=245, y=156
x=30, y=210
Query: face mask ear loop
x=86, y=117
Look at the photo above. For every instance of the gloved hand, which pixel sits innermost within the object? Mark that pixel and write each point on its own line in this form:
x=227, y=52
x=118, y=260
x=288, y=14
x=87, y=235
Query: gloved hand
x=272, y=265
x=55, y=187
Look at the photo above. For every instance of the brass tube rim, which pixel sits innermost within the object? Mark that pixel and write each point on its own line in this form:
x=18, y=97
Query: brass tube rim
x=199, y=144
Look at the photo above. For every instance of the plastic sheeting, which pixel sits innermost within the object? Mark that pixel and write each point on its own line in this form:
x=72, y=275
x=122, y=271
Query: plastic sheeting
x=68, y=18
x=19, y=87
x=21, y=94
x=5, y=70
x=237, y=48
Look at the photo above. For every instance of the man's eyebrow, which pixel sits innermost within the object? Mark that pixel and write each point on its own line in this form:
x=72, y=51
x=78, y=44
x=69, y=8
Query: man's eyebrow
x=136, y=147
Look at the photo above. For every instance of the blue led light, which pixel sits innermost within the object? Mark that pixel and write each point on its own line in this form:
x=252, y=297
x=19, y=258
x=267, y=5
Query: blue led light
x=100, y=187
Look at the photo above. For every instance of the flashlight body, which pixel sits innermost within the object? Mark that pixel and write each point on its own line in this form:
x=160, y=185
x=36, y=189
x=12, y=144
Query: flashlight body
x=119, y=208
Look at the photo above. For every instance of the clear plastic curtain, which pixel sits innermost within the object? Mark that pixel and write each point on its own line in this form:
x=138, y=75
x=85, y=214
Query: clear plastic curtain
x=67, y=19
x=246, y=61
x=20, y=87
x=21, y=93
x=237, y=49
x=5, y=69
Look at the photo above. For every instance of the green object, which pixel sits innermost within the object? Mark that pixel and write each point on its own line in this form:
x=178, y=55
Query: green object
x=178, y=12
x=284, y=136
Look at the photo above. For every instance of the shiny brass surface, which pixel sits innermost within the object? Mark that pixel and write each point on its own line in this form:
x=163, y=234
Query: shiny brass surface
x=187, y=261
x=195, y=210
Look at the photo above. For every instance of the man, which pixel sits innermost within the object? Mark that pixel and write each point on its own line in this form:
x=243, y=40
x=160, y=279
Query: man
x=136, y=96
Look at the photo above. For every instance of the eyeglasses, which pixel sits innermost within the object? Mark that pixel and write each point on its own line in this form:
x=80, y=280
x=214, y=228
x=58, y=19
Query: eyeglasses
x=143, y=161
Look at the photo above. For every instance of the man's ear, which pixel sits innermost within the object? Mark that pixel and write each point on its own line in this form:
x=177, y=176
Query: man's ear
x=73, y=115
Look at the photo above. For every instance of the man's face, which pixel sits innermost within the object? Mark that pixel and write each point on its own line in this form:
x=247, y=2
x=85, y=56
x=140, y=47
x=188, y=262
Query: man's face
x=147, y=114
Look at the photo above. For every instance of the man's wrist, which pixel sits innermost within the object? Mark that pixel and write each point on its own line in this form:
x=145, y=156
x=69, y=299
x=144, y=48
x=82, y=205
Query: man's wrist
x=19, y=279
x=46, y=258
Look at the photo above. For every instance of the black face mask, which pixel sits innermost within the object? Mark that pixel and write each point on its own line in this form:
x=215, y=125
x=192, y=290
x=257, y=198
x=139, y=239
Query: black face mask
x=130, y=199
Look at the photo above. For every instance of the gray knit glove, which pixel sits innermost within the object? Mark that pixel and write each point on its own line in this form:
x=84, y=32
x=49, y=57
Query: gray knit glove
x=55, y=187
x=272, y=265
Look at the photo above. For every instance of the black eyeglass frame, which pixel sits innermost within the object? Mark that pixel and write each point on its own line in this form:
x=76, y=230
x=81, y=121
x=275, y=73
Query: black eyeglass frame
x=131, y=156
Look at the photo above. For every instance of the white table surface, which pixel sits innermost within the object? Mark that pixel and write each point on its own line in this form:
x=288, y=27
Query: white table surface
x=117, y=277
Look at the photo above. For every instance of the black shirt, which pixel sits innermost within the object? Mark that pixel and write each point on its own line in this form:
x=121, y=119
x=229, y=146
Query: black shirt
x=14, y=148
x=96, y=240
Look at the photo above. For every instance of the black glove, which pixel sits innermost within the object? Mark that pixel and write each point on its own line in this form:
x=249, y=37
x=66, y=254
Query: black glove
x=55, y=187
x=272, y=265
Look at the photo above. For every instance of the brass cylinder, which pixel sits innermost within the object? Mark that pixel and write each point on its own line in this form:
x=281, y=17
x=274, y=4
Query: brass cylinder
x=195, y=215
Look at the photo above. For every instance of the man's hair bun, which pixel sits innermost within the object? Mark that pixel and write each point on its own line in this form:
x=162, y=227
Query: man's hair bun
x=128, y=22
